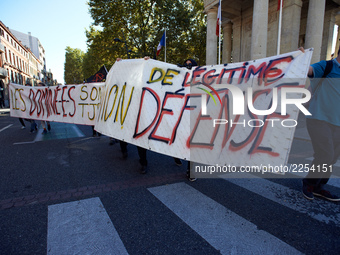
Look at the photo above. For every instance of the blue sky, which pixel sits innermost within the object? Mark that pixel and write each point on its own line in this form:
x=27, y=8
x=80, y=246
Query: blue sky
x=57, y=24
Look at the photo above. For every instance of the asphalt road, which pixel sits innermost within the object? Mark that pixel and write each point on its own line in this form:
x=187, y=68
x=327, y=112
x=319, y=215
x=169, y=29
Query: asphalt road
x=70, y=193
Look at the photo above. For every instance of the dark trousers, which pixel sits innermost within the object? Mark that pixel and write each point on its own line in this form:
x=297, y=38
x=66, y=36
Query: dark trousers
x=141, y=153
x=22, y=122
x=326, y=145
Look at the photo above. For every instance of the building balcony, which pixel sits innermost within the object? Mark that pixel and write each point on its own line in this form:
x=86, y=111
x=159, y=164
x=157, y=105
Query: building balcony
x=3, y=73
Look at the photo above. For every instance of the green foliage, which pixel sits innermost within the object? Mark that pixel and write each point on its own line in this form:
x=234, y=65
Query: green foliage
x=140, y=24
x=73, y=68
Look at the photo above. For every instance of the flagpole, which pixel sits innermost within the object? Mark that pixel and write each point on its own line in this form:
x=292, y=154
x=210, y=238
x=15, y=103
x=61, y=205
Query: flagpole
x=165, y=47
x=219, y=36
x=219, y=45
x=279, y=30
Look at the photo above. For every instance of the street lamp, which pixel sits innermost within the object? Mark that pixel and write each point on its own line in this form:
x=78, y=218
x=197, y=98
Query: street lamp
x=127, y=51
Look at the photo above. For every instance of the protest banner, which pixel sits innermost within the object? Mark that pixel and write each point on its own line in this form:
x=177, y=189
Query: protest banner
x=220, y=114
x=68, y=103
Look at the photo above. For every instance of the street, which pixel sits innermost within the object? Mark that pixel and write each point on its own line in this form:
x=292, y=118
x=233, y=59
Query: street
x=68, y=192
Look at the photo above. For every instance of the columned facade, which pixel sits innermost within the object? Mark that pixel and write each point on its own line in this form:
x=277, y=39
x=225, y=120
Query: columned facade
x=314, y=30
x=227, y=42
x=250, y=28
x=211, y=55
x=237, y=31
x=259, y=30
x=291, y=17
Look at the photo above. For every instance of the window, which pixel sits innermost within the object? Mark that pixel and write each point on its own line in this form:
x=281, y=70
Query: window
x=6, y=54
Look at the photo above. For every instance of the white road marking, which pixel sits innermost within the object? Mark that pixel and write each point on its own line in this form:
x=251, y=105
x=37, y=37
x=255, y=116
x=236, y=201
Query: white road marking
x=82, y=227
x=223, y=229
x=6, y=127
x=336, y=164
x=319, y=209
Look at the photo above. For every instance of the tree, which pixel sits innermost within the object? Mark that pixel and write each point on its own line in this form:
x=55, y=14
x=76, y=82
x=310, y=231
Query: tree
x=141, y=24
x=73, y=68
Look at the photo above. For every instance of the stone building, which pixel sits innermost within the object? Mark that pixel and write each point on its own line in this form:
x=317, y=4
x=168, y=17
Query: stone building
x=250, y=28
x=22, y=61
x=36, y=48
x=14, y=60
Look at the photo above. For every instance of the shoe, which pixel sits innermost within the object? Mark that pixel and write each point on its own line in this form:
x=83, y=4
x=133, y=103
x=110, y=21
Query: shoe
x=23, y=127
x=178, y=162
x=327, y=195
x=192, y=179
x=307, y=192
x=44, y=132
x=48, y=127
x=143, y=170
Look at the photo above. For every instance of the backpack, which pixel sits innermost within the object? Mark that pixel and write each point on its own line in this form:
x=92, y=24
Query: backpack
x=328, y=69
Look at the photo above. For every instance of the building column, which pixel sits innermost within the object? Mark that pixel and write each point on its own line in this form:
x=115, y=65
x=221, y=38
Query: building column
x=328, y=33
x=236, y=53
x=211, y=50
x=227, y=41
x=291, y=17
x=337, y=44
x=314, y=30
x=259, y=29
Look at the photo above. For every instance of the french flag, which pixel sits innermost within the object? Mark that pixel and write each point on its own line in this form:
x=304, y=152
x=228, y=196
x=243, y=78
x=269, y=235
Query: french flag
x=279, y=4
x=218, y=19
x=161, y=43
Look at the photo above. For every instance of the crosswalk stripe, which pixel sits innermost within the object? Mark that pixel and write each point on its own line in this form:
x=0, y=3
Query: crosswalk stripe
x=82, y=227
x=6, y=127
x=333, y=181
x=336, y=164
x=325, y=211
x=223, y=229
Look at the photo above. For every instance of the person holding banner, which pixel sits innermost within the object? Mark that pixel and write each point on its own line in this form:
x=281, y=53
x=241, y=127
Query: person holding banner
x=34, y=126
x=44, y=123
x=323, y=127
x=189, y=63
x=141, y=151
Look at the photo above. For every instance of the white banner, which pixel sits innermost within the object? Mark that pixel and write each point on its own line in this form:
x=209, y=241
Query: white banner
x=158, y=106
x=77, y=104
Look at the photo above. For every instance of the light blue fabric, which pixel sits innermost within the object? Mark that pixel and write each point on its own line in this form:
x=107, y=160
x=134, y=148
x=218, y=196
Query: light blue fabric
x=325, y=103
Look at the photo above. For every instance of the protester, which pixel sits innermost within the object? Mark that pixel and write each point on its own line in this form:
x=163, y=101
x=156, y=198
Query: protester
x=189, y=63
x=34, y=126
x=141, y=151
x=44, y=123
x=323, y=127
x=23, y=126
